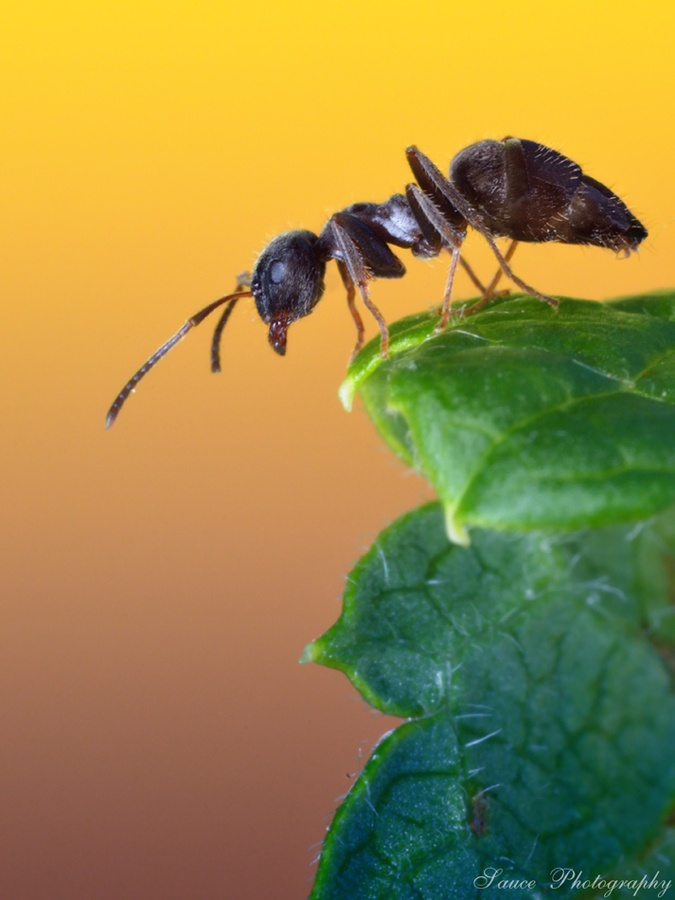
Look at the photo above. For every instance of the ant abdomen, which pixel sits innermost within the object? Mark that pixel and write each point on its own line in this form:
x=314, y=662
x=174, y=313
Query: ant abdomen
x=598, y=217
x=529, y=192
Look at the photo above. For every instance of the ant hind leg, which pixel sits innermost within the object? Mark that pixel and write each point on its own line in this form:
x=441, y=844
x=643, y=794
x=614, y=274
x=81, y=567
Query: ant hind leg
x=434, y=180
x=490, y=291
x=508, y=271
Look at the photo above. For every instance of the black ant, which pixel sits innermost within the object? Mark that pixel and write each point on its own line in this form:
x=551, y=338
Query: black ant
x=511, y=188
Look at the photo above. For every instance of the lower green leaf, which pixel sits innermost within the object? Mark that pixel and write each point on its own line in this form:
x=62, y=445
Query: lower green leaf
x=545, y=716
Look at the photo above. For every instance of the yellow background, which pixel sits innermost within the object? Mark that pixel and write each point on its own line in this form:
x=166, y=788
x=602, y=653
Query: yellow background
x=158, y=739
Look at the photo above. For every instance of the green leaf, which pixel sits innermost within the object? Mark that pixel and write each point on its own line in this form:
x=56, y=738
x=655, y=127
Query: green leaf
x=654, y=872
x=524, y=418
x=544, y=713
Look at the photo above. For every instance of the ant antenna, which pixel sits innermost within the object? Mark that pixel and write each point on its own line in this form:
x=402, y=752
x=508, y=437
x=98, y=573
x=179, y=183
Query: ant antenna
x=198, y=317
x=217, y=334
x=243, y=284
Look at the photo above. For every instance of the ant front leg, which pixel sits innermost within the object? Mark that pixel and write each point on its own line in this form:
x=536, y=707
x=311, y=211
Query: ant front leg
x=351, y=302
x=363, y=255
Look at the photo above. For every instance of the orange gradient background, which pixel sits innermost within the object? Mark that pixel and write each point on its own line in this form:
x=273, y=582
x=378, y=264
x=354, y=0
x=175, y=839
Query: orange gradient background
x=158, y=739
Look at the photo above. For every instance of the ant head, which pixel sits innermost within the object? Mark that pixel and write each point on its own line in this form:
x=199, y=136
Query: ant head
x=287, y=282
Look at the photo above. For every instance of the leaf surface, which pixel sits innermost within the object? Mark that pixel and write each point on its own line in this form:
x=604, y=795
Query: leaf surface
x=524, y=418
x=537, y=677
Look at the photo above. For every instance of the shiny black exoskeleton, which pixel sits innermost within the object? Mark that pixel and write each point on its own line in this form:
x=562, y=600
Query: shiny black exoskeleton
x=287, y=280
x=522, y=190
x=512, y=188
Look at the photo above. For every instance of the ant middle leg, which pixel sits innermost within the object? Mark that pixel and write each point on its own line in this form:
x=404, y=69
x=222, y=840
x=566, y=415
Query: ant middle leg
x=513, y=246
x=451, y=237
x=445, y=309
x=488, y=292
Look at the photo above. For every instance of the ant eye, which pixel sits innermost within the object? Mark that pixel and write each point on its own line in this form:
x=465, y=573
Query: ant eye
x=277, y=272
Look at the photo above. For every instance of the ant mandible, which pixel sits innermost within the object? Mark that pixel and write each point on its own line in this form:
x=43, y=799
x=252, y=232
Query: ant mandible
x=512, y=188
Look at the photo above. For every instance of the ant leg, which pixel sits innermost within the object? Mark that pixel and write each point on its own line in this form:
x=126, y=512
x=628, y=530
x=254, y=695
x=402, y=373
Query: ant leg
x=489, y=293
x=472, y=275
x=508, y=256
x=508, y=271
x=357, y=270
x=450, y=192
x=452, y=240
x=351, y=294
x=403, y=222
x=384, y=331
x=446, y=312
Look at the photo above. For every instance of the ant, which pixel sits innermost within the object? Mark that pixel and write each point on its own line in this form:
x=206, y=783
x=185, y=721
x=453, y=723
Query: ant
x=511, y=188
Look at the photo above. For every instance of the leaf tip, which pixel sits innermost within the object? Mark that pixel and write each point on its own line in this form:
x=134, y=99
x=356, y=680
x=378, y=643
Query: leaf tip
x=346, y=393
x=310, y=653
